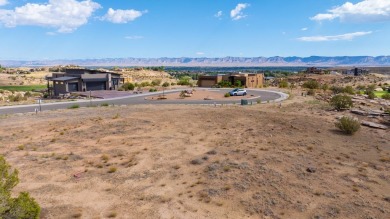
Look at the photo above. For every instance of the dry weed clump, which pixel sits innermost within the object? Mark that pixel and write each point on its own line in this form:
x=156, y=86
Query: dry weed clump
x=105, y=158
x=112, y=170
x=112, y=215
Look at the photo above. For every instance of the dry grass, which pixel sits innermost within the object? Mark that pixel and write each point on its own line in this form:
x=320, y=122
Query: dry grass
x=250, y=165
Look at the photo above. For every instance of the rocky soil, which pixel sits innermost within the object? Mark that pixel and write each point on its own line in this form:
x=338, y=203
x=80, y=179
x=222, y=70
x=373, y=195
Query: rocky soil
x=261, y=161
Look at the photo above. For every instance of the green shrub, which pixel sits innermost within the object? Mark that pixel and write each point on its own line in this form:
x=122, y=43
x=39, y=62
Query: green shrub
x=227, y=94
x=185, y=80
x=341, y=101
x=371, y=95
x=349, y=90
x=28, y=94
x=104, y=104
x=370, y=89
x=145, y=84
x=74, y=106
x=128, y=86
x=224, y=84
x=165, y=84
x=283, y=84
x=152, y=90
x=325, y=87
x=238, y=83
x=16, y=98
x=23, y=207
x=311, y=84
x=348, y=125
x=337, y=90
x=156, y=82
x=386, y=96
x=361, y=87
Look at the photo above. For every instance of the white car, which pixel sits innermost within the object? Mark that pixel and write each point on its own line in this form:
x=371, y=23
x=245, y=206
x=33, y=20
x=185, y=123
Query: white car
x=238, y=92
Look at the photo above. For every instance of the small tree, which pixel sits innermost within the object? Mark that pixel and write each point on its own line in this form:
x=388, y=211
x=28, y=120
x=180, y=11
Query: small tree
x=238, y=83
x=348, y=125
x=341, y=101
x=23, y=207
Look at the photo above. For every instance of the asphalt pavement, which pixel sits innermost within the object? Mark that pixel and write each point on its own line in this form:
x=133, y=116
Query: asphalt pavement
x=136, y=99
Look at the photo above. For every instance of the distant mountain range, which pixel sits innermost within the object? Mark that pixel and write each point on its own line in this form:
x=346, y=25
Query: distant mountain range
x=323, y=61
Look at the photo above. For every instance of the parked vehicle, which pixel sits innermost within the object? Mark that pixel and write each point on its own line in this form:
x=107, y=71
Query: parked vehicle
x=238, y=92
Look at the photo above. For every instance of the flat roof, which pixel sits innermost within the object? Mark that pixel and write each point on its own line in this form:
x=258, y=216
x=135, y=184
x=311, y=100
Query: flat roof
x=64, y=78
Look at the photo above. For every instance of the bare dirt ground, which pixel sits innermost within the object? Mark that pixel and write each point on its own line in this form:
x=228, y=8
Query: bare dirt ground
x=201, y=94
x=173, y=161
x=35, y=78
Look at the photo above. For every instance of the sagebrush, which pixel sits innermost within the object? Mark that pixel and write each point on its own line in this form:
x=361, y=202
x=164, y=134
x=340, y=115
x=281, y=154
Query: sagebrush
x=348, y=125
x=341, y=101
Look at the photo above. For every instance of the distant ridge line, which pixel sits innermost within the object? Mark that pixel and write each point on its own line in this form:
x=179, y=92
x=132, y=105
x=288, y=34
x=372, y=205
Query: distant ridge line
x=229, y=61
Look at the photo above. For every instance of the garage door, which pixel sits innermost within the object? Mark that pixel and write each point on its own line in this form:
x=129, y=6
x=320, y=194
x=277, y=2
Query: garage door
x=73, y=87
x=96, y=86
x=207, y=83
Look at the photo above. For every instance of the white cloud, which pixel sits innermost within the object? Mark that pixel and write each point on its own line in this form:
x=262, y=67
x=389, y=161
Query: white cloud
x=200, y=53
x=122, y=16
x=236, y=13
x=64, y=15
x=347, y=36
x=218, y=14
x=304, y=28
x=3, y=2
x=51, y=33
x=134, y=37
x=364, y=11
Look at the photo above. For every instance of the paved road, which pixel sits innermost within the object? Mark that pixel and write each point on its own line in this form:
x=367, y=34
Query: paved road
x=264, y=95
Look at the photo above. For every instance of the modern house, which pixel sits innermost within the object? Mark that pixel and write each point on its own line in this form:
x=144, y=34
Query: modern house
x=247, y=80
x=356, y=71
x=79, y=80
x=314, y=70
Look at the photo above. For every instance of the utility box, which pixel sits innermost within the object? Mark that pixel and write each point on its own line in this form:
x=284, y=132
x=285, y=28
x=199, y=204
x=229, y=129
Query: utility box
x=244, y=102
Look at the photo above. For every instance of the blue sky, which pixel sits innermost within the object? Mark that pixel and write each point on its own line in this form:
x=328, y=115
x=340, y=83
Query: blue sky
x=77, y=29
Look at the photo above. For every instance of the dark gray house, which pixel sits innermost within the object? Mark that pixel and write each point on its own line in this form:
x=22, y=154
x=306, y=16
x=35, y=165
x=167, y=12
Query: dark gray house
x=74, y=80
x=356, y=71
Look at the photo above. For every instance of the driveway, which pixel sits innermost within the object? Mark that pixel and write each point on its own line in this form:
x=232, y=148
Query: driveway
x=104, y=94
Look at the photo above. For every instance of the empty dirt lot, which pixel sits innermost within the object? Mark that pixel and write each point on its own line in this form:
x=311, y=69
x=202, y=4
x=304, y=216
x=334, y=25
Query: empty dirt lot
x=198, y=162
